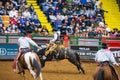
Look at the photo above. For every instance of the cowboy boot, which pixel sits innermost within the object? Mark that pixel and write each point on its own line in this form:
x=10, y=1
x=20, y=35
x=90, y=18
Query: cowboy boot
x=20, y=69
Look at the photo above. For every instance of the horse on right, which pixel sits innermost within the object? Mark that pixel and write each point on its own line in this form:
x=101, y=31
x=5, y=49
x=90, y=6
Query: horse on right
x=105, y=71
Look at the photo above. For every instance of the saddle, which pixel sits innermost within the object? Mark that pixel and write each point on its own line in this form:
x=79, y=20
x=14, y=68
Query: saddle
x=107, y=63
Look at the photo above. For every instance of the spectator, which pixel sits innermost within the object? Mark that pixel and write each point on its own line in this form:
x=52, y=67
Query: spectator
x=64, y=30
x=70, y=30
x=26, y=13
x=19, y=13
x=8, y=7
x=57, y=10
x=1, y=20
x=13, y=12
x=1, y=28
x=44, y=31
x=58, y=23
x=27, y=27
x=31, y=9
x=36, y=31
x=118, y=35
x=92, y=33
x=52, y=18
x=34, y=15
x=98, y=4
x=50, y=10
x=111, y=35
x=115, y=31
x=22, y=20
x=32, y=27
x=2, y=9
x=36, y=22
x=13, y=20
x=99, y=33
x=22, y=7
x=77, y=31
x=19, y=26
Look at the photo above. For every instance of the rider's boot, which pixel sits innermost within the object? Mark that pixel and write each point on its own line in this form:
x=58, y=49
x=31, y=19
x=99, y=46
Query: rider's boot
x=20, y=69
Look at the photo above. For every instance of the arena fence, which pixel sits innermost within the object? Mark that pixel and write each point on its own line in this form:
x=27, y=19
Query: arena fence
x=86, y=47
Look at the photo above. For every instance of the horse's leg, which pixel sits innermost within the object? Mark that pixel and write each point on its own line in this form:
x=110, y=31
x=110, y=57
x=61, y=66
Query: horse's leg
x=32, y=72
x=40, y=75
x=30, y=67
x=23, y=74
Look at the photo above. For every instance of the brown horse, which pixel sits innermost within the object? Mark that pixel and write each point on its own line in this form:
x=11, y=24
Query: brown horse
x=105, y=71
x=30, y=61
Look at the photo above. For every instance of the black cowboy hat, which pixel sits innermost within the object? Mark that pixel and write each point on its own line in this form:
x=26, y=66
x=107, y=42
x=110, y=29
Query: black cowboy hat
x=23, y=33
x=104, y=45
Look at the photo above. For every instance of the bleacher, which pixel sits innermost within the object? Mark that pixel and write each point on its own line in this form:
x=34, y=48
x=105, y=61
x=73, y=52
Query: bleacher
x=90, y=16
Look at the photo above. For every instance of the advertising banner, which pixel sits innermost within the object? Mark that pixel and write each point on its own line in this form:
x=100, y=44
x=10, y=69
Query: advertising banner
x=42, y=40
x=116, y=53
x=8, y=51
x=87, y=53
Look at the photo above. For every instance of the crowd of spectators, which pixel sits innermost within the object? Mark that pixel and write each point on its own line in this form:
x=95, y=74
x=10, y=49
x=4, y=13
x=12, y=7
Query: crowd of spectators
x=22, y=17
x=84, y=18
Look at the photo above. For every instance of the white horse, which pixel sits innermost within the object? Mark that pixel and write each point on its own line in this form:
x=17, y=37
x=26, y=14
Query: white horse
x=30, y=61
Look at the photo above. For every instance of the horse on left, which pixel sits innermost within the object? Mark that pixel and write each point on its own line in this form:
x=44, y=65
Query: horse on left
x=30, y=61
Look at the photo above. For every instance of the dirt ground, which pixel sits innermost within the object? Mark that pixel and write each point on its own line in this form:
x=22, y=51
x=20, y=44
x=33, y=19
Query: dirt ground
x=54, y=70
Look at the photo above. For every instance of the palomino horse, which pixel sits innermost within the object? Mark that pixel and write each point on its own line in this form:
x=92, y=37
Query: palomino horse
x=64, y=53
x=30, y=61
x=105, y=71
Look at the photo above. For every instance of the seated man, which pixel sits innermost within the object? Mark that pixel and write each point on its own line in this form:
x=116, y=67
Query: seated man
x=53, y=43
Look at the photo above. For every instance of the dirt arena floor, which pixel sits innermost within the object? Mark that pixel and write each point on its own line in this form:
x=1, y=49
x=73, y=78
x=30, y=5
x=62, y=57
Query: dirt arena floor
x=54, y=70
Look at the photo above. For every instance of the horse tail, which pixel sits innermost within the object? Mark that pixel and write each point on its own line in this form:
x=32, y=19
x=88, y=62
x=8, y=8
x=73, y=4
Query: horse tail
x=100, y=75
x=37, y=67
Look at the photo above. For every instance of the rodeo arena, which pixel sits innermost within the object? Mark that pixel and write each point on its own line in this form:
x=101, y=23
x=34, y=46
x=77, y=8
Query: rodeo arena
x=59, y=39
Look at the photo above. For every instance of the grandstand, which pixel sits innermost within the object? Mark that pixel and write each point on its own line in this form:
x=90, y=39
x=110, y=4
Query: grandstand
x=84, y=18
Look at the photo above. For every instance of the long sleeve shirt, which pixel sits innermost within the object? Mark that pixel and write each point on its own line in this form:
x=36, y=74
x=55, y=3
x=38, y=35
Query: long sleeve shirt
x=105, y=55
x=24, y=42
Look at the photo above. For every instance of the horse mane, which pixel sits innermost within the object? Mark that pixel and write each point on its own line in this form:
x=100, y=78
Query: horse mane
x=100, y=75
